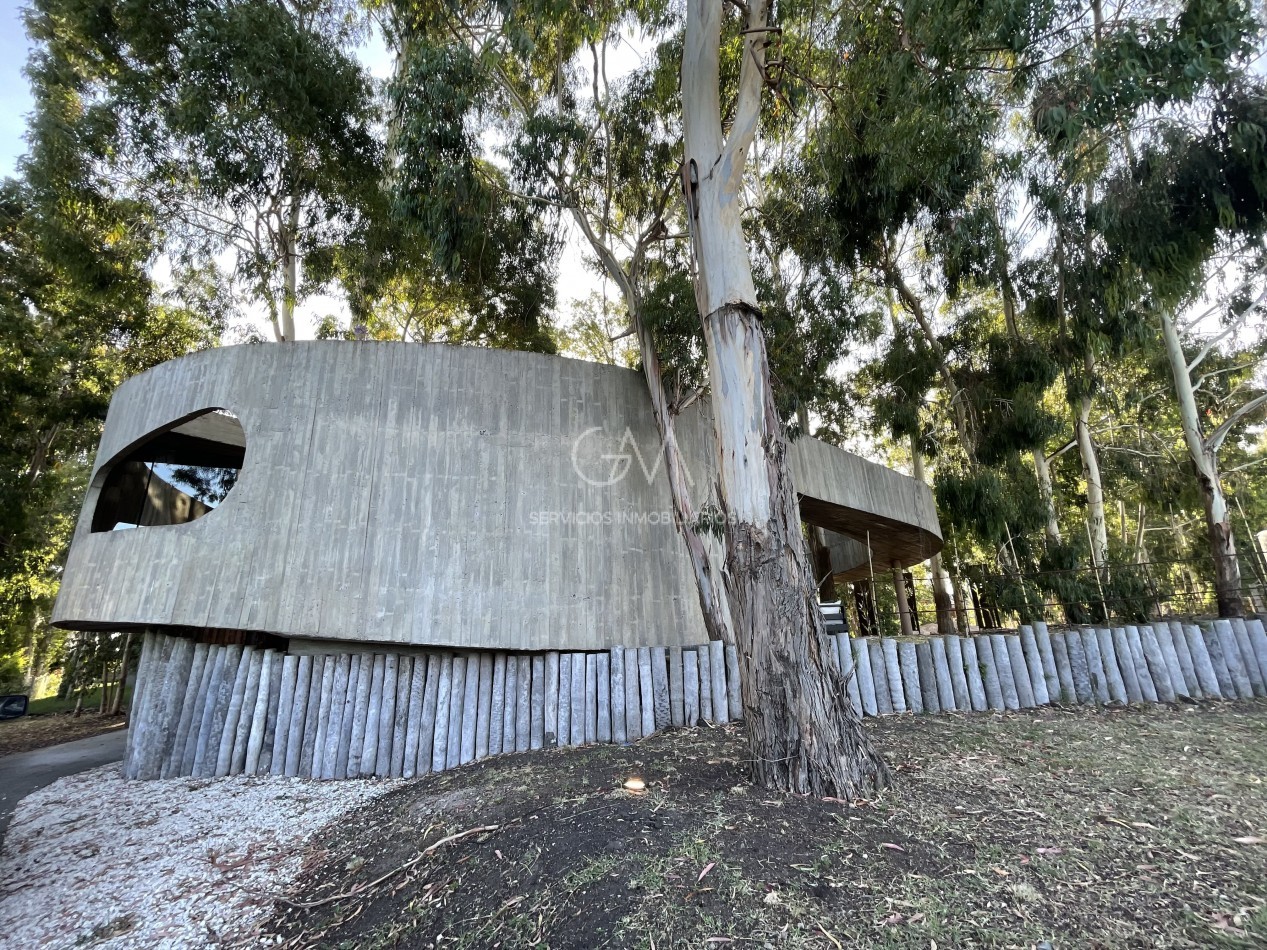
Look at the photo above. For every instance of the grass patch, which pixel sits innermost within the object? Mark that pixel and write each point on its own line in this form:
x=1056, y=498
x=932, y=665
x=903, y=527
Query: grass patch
x=1083, y=828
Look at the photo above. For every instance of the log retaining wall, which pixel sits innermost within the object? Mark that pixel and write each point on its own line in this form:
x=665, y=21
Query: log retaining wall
x=209, y=710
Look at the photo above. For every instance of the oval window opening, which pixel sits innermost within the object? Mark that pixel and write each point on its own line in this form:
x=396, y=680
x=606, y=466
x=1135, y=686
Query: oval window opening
x=174, y=476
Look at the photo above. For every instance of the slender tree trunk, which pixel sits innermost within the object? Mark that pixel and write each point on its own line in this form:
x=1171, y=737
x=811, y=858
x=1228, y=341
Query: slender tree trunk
x=903, y=601
x=1042, y=471
x=123, y=676
x=804, y=735
x=105, y=687
x=1204, y=456
x=1091, y=473
x=290, y=271
x=941, y=581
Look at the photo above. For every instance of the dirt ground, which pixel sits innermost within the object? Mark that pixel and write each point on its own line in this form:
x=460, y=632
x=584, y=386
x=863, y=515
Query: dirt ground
x=36, y=732
x=1054, y=828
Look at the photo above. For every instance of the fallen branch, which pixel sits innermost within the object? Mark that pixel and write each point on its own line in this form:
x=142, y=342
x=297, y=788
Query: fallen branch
x=357, y=891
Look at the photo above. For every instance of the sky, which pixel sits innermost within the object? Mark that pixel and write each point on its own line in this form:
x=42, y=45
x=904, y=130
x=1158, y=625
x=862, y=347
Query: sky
x=15, y=99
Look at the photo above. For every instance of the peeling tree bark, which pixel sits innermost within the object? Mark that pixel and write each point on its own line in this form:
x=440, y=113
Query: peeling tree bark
x=803, y=733
x=1042, y=471
x=1205, y=459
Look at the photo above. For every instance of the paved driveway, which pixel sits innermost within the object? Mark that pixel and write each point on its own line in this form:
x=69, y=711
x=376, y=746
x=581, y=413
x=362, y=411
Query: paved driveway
x=23, y=773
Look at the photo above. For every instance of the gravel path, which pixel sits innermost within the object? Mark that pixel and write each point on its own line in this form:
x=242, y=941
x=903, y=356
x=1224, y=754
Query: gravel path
x=92, y=860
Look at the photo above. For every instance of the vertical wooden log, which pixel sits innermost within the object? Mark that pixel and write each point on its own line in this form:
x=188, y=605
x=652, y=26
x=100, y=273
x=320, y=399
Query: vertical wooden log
x=1232, y=657
x=1157, y=667
x=1142, y=675
x=989, y=672
x=339, y=673
x=165, y=713
x=1064, y=669
x=444, y=695
x=908, y=667
x=298, y=716
x=972, y=674
x=316, y=686
x=233, y=712
x=470, y=709
x=270, y=726
x=941, y=670
x=400, y=723
x=285, y=713
x=690, y=688
x=457, y=694
x=646, y=696
x=1258, y=644
x=387, y=716
x=1051, y=679
x=1126, y=665
x=927, y=677
x=602, y=673
x=329, y=664
x=144, y=675
x=879, y=676
x=242, y=735
x=849, y=673
x=861, y=657
x=677, y=692
x=661, y=702
x=259, y=717
x=1112, y=669
x=591, y=698
x=189, y=708
x=1165, y=641
x=578, y=699
x=368, y=764
x=717, y=685
x=497, y=713
x=347, y=718
x=413, y=725
x=1202, y=662
x=1079, y=667
x=427, y=739
x=537, y=736
x=1095, y=663
x=620, y=734
x=550, y=738
x=208, y=746
x=1020, y=672
x=564, y=725
x=633, y=694
x=523, y=706
x=1248, y=659
x=1184, y=655
x=893, y=670
x=1034, y=664
x=360, y=714
x=958, y=673
x=202, y=709
x=704, y=660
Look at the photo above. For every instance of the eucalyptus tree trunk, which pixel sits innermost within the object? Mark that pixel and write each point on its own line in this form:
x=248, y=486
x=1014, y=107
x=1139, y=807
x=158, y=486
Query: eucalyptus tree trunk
x=1096, y=521
x=290, y=272
x=803, y=734
x=941, y=581
x=123, y=675
x=1204, y=454
x=1042, y=471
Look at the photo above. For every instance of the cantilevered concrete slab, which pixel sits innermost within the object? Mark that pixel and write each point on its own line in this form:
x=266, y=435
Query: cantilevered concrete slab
x=433, y=495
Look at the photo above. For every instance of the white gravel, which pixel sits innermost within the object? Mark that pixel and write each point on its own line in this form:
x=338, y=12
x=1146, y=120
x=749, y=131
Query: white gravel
x=94, y=860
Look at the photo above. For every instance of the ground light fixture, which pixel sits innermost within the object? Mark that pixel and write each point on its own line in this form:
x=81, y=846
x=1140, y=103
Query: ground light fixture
x=635, y=784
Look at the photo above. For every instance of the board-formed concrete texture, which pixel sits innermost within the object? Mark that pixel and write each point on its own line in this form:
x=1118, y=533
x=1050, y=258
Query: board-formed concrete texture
x=431, y=495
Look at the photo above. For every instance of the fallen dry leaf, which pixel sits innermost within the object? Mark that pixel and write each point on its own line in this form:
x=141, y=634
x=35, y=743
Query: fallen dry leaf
x=708, y=867
x=891, y=846
x=1249, y=839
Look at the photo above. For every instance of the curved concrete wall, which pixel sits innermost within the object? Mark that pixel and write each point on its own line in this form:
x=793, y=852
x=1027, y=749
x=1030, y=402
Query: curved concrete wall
x=436, y=495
